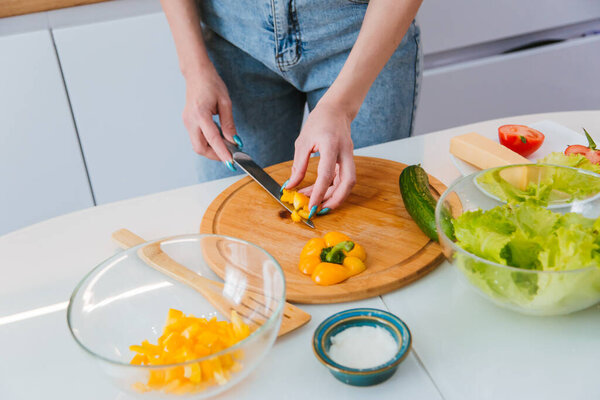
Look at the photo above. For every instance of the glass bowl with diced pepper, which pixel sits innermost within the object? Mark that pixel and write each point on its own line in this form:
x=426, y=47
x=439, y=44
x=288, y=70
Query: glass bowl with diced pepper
x=158, y=322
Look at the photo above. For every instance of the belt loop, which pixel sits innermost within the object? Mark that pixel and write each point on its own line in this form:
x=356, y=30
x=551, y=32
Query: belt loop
x=286, y=30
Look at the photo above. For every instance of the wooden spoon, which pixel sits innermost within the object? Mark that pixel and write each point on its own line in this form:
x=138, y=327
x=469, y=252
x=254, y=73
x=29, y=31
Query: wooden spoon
x=293, y=317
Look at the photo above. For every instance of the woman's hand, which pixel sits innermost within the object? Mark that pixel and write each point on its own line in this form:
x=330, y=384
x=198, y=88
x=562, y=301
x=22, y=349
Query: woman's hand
x=327, y=130
x=206, y=95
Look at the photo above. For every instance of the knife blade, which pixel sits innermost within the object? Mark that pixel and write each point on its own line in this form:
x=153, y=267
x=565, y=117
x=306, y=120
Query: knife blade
x=247, y=164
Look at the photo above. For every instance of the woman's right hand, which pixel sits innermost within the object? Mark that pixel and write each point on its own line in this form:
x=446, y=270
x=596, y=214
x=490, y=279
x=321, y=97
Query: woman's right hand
x=206, y=95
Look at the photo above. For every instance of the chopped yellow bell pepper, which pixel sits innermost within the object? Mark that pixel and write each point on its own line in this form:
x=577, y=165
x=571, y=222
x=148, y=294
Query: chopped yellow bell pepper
x=299, y=202
x=304, y=213
x=296, y=217
x=287, y=196
x=187, y=338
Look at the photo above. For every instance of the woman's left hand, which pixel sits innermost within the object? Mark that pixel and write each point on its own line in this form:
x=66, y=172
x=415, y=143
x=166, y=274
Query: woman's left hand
x=327, y=130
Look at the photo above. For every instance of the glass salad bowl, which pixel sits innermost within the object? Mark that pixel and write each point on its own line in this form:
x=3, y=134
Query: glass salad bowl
x=526, y=236
x=158, y=322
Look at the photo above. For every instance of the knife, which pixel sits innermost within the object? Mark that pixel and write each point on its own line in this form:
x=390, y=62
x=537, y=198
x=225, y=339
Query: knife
x=245, y=162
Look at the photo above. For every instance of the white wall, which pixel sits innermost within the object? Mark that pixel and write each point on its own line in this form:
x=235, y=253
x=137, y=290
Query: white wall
x=121, y=78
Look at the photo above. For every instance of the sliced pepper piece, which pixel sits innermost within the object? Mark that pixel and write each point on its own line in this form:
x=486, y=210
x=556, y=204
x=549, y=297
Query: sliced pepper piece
x=308, y=264
x=354, y=265
x=296, y=217
x=333, y=238
x=358, y=251
x=313, y=247
x=304, y=213
x=329, y=274
x=287, y=196
x=300, y=200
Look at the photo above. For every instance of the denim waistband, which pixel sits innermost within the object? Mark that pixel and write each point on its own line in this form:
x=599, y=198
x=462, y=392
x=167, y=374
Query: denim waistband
x=277, y=31
x=286, y=35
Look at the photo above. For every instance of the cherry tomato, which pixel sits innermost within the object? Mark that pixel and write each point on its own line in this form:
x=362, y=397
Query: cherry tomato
x=520, y=138
x=589, y=152
x=592, y=155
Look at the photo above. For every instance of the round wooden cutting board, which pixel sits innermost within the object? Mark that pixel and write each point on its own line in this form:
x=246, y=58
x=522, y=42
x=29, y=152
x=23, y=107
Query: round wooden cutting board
x=373, y=215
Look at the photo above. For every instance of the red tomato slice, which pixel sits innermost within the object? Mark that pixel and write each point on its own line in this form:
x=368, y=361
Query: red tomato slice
x=590, y=154
x=520, y=138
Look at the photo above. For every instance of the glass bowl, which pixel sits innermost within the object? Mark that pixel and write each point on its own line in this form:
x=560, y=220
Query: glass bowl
x=550, y=284
x=124, y=301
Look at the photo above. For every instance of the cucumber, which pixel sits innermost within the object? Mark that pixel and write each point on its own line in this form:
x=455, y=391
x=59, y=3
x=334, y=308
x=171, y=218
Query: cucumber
x=418, y=200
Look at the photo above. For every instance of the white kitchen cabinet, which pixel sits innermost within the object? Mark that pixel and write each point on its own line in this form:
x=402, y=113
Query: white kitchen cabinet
x=452, y=24
x=560, y=77
x=128, y=95
x=42, y=173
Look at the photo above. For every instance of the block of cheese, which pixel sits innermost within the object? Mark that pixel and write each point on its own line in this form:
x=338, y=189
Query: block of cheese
x=485, y=153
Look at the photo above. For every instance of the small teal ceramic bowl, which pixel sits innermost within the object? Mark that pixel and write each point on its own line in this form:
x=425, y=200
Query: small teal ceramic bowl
x=361, y=317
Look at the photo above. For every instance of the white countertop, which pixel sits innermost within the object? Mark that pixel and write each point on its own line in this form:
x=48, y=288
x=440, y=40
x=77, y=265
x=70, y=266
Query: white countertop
x=463, y=346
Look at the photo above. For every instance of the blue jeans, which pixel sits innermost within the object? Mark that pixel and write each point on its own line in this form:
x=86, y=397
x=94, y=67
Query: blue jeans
x=276, y=56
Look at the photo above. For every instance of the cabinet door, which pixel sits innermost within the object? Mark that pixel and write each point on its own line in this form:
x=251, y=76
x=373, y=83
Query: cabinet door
x=128, y=95
x=42, y=173
x=451, y=24
x=561, y=77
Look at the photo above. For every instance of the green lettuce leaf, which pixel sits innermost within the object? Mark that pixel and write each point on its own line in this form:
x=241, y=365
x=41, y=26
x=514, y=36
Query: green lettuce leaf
x=485, y=233
x=546, y=185
x=571, y=160
x=531, y=238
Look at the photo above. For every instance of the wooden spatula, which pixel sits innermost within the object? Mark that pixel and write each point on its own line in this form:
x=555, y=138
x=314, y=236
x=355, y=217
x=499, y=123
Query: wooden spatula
x=293, y=317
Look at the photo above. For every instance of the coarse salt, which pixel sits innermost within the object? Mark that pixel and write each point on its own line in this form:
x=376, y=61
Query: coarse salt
x=363, y=347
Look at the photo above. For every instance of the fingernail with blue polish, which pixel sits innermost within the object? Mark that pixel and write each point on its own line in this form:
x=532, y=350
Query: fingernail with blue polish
x=230, y=165
x=313, y=210
x=324, y=211
x=283, y=186
x=238, y=141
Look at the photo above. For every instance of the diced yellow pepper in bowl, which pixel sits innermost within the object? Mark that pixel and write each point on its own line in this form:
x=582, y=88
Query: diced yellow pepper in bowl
x=187, y=338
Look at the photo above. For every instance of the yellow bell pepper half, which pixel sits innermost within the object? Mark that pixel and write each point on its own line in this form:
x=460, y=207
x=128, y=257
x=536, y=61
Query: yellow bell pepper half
x=332, y=259
x=187, y=338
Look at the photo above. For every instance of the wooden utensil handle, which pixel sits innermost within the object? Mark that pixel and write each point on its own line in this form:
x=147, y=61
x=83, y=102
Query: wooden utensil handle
x=211, y=290
x=126, y=239
x=160, y=261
